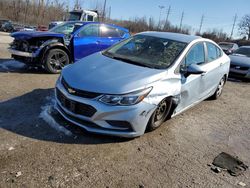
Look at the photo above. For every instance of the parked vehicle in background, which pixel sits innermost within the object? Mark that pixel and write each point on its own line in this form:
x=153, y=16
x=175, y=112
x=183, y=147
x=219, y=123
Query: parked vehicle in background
x=53, y=24
x=64, y=44
x=29, y=28
x=240, y=63
x=18, y=27
x=83, y=15
x=78, y=15
x=2, y=21
x=228, y=47
x=7, y=27
x=139, y=83
x=42, y=28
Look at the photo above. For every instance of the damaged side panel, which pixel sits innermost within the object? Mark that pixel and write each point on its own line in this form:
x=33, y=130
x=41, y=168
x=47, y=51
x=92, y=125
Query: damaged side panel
x=169, y=87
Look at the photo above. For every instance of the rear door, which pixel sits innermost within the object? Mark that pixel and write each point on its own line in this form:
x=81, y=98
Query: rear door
x=191, y=84
x=87, y=41
x=109, y=36
x=214, y=67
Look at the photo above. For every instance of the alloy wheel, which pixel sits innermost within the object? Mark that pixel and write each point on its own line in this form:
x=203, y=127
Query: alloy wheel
x=220, y=87
x=58, y=60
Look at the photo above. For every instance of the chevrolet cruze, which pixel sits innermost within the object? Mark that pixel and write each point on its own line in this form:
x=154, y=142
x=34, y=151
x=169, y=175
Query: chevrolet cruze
x=140, y=82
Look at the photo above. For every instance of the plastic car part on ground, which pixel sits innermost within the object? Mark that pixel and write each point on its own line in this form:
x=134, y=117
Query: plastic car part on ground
x=232, y=164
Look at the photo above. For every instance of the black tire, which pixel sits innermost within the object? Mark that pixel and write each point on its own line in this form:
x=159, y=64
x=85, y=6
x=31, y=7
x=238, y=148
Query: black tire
x=219, y=89
x=160, y=114
x=55, y=60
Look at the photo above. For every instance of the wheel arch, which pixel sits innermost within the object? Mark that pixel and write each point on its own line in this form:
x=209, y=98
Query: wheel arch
x=55, y=46
x=226, y=77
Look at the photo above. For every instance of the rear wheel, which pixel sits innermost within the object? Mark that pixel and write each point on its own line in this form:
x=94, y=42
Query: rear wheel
x=160, y=114
x=219, y=89
x=55, y=60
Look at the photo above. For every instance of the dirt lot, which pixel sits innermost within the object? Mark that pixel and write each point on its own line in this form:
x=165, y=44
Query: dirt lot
x=49, y=153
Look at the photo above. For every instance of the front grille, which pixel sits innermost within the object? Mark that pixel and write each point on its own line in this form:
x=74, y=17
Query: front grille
x=74, y=106
x=238, y=67
x=20, y=45
x=90, y=124
x=80, y=93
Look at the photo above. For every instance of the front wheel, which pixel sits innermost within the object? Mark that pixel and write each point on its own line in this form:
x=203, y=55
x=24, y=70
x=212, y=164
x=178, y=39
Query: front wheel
x=160, y=114
x=55, y=60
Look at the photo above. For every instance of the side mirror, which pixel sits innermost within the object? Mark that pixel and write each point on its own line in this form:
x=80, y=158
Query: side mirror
x=194, y=69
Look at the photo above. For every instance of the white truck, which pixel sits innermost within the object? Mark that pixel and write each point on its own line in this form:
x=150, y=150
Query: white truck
x=83, y=15
x=78, y=15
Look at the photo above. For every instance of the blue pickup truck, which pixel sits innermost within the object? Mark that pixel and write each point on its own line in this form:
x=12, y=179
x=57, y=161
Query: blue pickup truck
x=64, y=44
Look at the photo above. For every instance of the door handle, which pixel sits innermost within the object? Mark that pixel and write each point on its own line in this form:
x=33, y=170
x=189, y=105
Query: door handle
x=203, y=74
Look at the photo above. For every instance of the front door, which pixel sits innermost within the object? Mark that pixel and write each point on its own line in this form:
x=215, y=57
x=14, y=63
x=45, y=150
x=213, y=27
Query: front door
x=191, y=84
x=87, y=41
x=110, y=36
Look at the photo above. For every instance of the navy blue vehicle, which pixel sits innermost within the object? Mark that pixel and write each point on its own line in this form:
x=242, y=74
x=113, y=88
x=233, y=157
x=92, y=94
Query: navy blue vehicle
x=64, y=44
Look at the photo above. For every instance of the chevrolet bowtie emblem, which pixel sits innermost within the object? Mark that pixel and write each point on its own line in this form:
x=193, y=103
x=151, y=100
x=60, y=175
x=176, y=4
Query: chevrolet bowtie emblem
x=71, y=91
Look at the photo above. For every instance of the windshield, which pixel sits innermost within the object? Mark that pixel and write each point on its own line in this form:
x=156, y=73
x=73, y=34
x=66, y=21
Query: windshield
x=147, y=51
x=75, y=16
x=66, y=28
x=226, y=45
x=243, y=51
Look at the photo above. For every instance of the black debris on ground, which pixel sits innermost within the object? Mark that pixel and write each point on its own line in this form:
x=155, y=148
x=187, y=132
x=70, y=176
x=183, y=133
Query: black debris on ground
x=232, y=164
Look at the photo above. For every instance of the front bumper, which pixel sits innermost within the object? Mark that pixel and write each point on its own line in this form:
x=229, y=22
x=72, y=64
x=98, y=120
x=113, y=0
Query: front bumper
x=29, y=58
x=237, y=73
x=136, y=116
x=23, y=54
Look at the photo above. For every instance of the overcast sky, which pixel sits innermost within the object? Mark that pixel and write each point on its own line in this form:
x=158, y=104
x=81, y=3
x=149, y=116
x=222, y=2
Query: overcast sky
x=218, y=14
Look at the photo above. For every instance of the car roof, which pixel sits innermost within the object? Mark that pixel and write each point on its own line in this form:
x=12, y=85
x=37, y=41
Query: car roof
x=90, y=22
x=172, y=36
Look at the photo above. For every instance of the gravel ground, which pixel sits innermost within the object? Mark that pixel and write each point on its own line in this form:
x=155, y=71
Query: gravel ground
x=39, y=149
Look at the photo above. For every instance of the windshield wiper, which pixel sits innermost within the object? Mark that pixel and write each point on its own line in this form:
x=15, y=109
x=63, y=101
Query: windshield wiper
x=108, y=54
x=132, y=62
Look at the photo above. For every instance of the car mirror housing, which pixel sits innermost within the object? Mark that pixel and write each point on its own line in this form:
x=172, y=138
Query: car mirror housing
x=194, y=69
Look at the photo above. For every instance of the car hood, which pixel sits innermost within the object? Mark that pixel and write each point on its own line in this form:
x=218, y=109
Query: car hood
x=101, y=74
x=32, y=34
x=240, y=60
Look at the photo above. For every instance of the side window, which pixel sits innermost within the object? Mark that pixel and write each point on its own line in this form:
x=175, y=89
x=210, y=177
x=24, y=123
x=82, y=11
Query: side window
x=219, y=54
x=121, y=33
x=107, y=31
x=90, y=30
x=213, y=52
x=196, y=55
x=90, y=18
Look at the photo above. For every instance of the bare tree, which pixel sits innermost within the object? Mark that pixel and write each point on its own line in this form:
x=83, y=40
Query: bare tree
x=215, y=34
x=244, y=26
x=26, y=10
x=32, y=12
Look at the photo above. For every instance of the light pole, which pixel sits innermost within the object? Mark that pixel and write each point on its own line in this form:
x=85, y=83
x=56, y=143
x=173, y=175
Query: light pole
x=104, y=9
x=161, y=7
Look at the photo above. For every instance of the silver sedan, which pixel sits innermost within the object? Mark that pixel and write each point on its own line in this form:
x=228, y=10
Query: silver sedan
x=140, y=82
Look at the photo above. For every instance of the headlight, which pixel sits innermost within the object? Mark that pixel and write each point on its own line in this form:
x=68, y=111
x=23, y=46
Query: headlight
x=126, y=99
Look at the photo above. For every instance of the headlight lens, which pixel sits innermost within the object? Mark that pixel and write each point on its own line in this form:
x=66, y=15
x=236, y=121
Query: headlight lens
x=127, y=99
